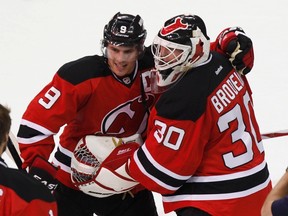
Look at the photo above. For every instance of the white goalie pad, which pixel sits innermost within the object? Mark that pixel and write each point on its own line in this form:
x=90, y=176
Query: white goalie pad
x=86, y=161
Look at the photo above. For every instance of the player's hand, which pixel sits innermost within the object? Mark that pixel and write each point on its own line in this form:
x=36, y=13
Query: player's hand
x=239, y=48
x=45, y=172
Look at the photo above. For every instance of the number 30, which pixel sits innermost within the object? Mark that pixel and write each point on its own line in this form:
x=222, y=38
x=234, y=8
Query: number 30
x=240, y=134
x=176, y=132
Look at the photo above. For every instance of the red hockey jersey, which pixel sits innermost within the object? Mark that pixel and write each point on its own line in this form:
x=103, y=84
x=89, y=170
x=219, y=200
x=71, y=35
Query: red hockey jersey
x=203, y=147
x=85, y=96
x=21, y=194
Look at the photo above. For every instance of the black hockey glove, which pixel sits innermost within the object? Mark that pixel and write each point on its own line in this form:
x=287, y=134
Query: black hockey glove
x=45, y=172
x=239, y=48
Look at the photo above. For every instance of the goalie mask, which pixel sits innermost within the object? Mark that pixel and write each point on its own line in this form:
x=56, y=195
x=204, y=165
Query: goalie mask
x=179, y=46
x=89, y=176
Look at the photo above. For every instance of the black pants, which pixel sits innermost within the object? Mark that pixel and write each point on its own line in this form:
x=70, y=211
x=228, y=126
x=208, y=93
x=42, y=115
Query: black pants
x=76, y=203
x=191, y=211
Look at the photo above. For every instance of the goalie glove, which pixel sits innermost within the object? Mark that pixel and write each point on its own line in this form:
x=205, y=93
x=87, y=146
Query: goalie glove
x=239, y=48
x=113, y=172
x=45, y=172
x=98, y=165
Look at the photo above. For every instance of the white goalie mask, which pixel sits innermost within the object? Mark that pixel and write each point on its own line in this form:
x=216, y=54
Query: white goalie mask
x=179, y=46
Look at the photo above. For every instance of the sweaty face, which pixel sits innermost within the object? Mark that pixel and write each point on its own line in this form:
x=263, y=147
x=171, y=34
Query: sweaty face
x=122, y=59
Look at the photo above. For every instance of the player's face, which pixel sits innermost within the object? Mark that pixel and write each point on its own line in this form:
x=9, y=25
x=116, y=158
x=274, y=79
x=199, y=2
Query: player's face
x=122, y=59
x=170, y=55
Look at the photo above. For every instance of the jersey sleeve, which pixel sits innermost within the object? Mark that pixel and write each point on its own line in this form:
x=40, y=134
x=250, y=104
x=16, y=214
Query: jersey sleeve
x=170, y=155
x=54, y=106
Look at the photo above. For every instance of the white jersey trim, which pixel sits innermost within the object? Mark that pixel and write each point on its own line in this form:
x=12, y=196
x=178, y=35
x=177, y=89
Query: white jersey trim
x=159, y=167
x=225, y=196
x=65, y=151
x=162, y=184
x=62, y=166
x=37, y=138
x=232, y=176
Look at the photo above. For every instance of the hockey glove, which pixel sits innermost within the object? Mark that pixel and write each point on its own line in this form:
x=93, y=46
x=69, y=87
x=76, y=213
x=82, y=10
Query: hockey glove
x=98, y=165
x=113, y=173
x=45, y=172
x=239, y=48
x=114, y=170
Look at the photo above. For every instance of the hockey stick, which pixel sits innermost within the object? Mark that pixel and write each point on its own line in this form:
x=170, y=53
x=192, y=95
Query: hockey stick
x=274, y=134
x=13, y=151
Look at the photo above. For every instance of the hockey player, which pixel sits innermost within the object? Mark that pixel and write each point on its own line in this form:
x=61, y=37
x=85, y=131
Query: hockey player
x=20, y=193
x=106, y=95
x=203, y=150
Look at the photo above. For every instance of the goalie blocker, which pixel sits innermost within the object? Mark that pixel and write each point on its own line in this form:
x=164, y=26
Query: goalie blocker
x=99, y=165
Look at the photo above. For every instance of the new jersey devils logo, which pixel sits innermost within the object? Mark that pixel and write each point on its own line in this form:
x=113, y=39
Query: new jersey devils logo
x=128, y=118
x=173, y=27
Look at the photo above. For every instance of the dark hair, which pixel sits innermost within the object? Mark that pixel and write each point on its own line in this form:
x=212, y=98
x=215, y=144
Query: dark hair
x=5, y=122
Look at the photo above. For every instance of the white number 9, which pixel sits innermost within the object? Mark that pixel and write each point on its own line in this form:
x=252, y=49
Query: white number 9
x=51, y=95
x=123, y=29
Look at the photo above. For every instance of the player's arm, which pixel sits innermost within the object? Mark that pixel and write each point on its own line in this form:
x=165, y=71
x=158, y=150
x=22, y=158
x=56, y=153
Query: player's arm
x=153, y=164
x=276, y=202
x=40, y=122
x=170, y=155
x=237, y=46
x=54, y=106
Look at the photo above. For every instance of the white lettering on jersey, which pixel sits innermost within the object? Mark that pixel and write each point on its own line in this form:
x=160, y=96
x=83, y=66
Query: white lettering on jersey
x=219, y=70
x=227, y=92
x=165, y=135
x=241, y=136
x=51, y=96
